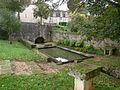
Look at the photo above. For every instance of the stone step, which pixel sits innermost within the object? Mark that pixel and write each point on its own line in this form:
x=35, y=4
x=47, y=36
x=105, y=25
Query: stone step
x=5, y=67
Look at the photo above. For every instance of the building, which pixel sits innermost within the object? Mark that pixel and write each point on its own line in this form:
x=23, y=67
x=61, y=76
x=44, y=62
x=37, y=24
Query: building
x=55, y=17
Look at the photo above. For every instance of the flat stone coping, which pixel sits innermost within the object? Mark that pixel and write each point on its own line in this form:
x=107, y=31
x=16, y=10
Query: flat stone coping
x=86, y=71
x=49, y=44
x=85, y=54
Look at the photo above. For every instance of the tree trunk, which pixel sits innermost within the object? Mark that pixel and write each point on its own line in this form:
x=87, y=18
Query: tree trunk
x=40, y=26
x=10, y=40
x=19, y=15
x=104, y=52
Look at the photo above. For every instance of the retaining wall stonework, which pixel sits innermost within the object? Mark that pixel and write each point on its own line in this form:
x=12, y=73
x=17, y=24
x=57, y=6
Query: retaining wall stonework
x=71, y=36
x=31, y=31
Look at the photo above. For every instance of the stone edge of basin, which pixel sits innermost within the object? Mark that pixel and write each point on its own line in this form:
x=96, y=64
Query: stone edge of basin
x=85, y=54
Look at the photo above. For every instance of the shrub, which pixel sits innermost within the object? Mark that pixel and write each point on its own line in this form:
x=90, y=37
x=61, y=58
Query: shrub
x=3, y=35
x=66, y=42
x=79, y=44
x=95, y=51
x=80, y=49
x=60, y=42
x=63, y=23
x=72, y=43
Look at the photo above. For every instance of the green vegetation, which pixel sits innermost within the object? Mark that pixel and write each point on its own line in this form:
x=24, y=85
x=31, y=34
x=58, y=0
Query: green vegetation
x=60, y=28
x=98, y=21
x=79, y=46
x=42, y=10
x=103, y=81
x=8, y=22
x=14, y=5
x=103, y=22
x=59, y=81
x=16, y=51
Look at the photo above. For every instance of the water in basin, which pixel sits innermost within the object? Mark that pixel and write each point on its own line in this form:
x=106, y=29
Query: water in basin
x=61, y=53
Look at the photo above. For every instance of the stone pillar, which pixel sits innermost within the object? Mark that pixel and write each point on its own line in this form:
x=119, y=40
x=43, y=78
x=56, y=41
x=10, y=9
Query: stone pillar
x=84, y=81
x=79, y=84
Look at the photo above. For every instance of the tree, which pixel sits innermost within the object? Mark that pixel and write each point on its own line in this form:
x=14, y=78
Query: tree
x=77, y=22
x=15, y=5
x=103, y=29
x=95, y=7
x=9, y=22
x=42, y=10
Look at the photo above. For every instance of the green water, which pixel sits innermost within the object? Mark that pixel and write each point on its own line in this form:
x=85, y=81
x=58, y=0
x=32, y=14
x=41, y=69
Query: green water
x=57, y=52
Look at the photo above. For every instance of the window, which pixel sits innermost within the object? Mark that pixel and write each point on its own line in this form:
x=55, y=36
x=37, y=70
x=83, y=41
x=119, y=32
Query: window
x=25, y=15
x=64, y=14
x=57, y=14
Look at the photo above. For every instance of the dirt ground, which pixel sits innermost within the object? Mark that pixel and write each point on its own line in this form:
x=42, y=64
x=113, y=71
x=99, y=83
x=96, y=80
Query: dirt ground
x=20, y=68
x=47, y=68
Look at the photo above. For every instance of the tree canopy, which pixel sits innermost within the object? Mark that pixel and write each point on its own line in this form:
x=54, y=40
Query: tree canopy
x=8, y=22
x=41, y=10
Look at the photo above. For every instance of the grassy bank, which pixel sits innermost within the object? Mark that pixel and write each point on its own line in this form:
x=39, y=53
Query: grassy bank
x=60, y=81
x=16, y=51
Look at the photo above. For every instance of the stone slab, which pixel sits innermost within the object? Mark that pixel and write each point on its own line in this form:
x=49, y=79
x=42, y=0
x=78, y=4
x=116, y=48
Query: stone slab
x=4, y=62
x=5, y=67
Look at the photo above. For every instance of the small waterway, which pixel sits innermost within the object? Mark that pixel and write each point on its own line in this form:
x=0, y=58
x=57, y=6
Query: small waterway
x=58, y=52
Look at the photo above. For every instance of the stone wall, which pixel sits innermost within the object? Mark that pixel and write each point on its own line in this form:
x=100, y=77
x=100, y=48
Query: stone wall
x=105, y=44
x=31, y=31
x=71, y=36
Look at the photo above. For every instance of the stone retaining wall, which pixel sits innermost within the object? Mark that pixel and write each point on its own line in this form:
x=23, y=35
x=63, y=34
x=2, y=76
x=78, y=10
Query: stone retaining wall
x=61, y=36
x=31, y=31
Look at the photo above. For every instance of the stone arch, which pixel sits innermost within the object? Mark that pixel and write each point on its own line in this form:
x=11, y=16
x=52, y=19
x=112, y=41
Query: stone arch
x=39, y=40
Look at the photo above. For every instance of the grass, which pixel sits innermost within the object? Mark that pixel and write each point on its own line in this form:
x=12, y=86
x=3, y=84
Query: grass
x=16, y=51
x=60, y=28
x=60, y=81
x=103, y=81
